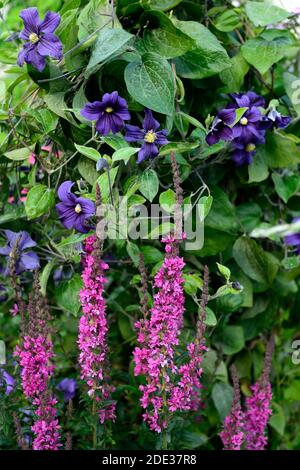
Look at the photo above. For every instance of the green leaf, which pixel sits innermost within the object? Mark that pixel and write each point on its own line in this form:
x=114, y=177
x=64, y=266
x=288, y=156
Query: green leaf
x=39, y=200
x=233, y=77
x=134, y=253
x=265, y=13
x=262, y=52
x=208, y=57
x=161, y=5
x=292, y=87
x=167, y=200
x=210, y=317
x=192, y=282
x=87, y=170
x=222, y=395
x=227, y=21
x=206, y=201
x=231, y=339
x=56, y=103
x=277, y=420
x=151, y=83
x=249, y=215
x=45, y=274
x=46, y=118
x=103, y=182
x=18, y=154
x=67, y=294
x=149, y=184
x=124, y=154
x=258, y=169
x=151, y=254
x=192, y=440
x=163, y=37
x=89, y=152
x=226, y=273
x=254, y=261
x=222, y=212
x=279, y=151
x=72, y=239
x=286, y=185
x=110, y=41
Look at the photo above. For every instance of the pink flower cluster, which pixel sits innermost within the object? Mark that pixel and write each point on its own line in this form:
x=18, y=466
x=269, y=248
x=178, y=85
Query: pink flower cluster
x=233, y=430
x=248, y=427
x=35, y=357
x=168, y=387
x=257, y=415
x=93, y=328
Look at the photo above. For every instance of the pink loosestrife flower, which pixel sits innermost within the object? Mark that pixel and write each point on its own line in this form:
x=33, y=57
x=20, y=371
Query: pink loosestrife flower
x=258, y=412
x=168, y=387
x=35, y=357
x=93, y=328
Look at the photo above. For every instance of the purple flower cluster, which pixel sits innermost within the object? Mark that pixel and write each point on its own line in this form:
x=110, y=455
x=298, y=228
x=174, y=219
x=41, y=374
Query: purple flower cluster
x=110, y=115
x=249, y=130
x=169, y=388
x=39, y=37
x=93, y=328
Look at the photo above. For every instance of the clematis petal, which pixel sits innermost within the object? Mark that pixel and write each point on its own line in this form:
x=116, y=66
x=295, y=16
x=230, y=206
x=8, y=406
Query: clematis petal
x=133, y=133
x=50, y=45
x=5, y=250
x=103, y=125
x=50, y=22
x=70, y=220
x=225, y=133
x=35, y=59
x=149, y=123
x=31, y=19
x=116, y=122
x=161, y=138
x=79, y=224
x=227, y=115
x=147, y=151
x=29, y=260
x=212, y=138
x=26, y=241
x=92, y=111
x=64, y=192
x=12, y=237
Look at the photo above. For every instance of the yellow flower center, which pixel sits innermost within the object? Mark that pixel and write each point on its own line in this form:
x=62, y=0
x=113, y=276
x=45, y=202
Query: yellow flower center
x=150, y=137
x=33, y=37
x=244, y=121
x=78, y=209
x=109, y=109
x=250, y=147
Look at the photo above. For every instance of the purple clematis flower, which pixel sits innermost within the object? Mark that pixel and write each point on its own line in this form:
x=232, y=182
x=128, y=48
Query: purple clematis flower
x=41, y=41
x=294, y=239
x=26, y=260
x=220, y=129
x=8, y=380
x=68, y=387
x=274, y=120
x=149, y=135
x=73, y=210
x=109, y=114
x=243, y=153
x=247, y=128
